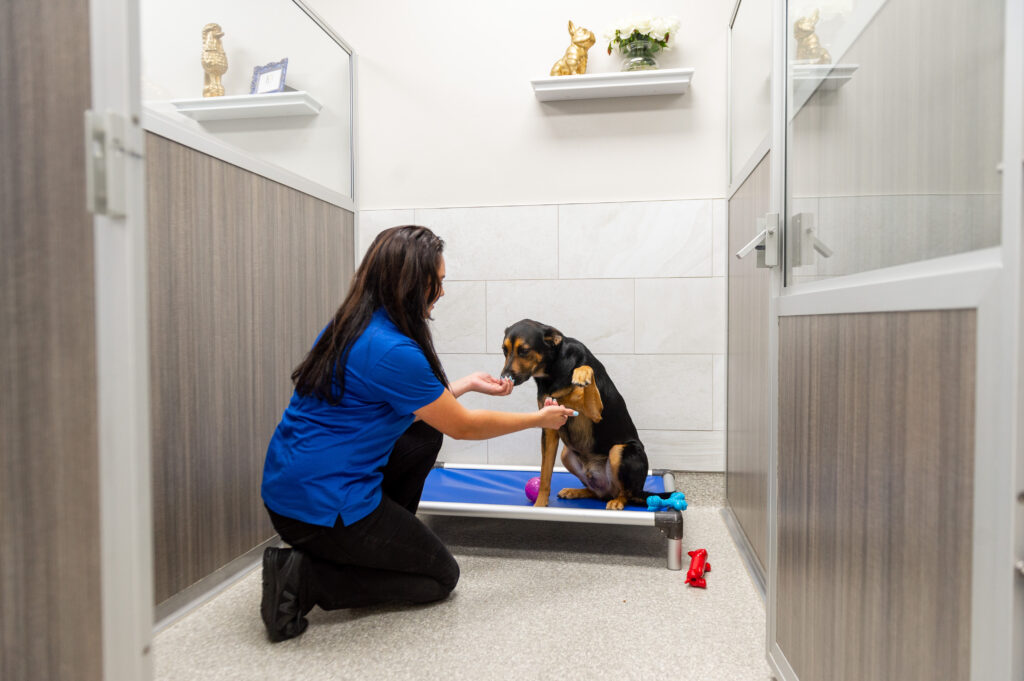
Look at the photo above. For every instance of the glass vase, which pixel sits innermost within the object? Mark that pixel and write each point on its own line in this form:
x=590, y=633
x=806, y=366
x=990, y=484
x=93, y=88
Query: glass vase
x=640, y=55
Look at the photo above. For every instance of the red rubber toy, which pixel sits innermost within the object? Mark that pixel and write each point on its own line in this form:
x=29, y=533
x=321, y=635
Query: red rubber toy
x=698, y=566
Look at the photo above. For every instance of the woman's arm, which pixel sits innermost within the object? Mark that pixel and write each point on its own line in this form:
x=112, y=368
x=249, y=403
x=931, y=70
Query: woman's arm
x=481, y=382
x=451, y=418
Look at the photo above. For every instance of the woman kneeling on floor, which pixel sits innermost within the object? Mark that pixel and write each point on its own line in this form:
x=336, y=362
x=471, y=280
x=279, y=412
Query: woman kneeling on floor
x=346, y=465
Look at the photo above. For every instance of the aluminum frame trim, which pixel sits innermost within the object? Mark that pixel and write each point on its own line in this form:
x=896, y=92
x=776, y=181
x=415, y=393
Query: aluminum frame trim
x=509, y=512
x=954, y=281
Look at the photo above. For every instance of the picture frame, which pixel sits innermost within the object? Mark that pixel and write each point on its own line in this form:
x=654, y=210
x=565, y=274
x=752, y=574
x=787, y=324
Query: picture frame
x=269, y=77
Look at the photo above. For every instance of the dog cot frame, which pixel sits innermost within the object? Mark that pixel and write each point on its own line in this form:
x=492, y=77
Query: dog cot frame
x=670, y=521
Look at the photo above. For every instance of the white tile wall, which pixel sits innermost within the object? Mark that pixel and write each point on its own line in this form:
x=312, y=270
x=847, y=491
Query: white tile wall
x=460, y=316
x=370, y=223
x=720, y=247
x=514, y=242
x=521, y=448
x=689, y=450
x=517, y=449
x=719, y=383
x=457, y=365
x=647, y=239
x=680, y=315
x=598, y=312
x=664, y=392
x=642, y=284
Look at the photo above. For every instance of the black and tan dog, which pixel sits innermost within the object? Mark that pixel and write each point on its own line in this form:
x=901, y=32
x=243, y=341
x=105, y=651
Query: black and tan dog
x=601, y=446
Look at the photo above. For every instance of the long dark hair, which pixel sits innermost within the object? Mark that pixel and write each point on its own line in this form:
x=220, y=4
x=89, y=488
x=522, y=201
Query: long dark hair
x=399, y=273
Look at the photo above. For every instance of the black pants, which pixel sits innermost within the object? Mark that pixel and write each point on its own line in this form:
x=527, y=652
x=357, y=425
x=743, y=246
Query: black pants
x=388, y=556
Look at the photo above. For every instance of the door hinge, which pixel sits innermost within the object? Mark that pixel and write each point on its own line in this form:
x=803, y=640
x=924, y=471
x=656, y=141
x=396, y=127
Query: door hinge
x=106, y=153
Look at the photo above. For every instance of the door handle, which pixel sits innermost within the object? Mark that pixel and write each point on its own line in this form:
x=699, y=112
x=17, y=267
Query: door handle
x=820, y=247
x=755, y=242
x=802, y=230
x=766, y=243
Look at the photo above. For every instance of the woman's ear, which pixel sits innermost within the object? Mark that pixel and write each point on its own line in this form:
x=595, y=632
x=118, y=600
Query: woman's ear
x=552, y=336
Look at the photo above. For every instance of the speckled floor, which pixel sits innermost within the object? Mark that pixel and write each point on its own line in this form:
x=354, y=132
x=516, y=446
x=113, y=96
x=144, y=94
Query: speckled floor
x=537, y=600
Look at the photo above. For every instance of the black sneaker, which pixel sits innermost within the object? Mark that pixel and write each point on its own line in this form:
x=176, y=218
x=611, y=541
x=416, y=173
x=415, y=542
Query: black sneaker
x=280, y=608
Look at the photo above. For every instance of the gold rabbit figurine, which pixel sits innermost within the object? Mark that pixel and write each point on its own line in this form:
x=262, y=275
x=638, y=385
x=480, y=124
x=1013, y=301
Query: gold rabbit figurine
x=808, y=48
x=215, y=62
x=575, y=60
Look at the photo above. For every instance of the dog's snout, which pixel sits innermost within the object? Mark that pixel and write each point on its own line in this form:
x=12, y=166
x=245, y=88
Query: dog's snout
x=508, y=373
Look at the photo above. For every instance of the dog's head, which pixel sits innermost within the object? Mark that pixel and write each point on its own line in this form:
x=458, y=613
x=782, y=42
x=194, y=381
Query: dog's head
x=581, y=37
x=804, y=26
x=529, y=348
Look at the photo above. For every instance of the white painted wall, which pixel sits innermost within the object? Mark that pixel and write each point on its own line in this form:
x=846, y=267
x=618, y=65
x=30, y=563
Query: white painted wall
x=256, y=32
x=447, y=116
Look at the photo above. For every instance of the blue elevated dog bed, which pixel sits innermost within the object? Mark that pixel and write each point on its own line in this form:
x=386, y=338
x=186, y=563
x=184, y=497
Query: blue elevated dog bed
x=499, y=492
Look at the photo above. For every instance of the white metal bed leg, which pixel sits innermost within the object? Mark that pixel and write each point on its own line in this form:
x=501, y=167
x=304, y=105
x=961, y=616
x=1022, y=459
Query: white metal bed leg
x=671, y=523
x=672, y=526
x=675, y=554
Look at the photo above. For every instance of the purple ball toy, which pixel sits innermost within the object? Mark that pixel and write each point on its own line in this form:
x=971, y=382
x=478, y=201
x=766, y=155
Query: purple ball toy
x=532, y=488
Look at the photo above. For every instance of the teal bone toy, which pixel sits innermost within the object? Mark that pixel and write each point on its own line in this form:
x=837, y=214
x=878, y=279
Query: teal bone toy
x=676, y=500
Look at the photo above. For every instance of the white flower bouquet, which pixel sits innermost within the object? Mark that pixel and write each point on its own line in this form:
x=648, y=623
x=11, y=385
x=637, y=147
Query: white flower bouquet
x=658, y=30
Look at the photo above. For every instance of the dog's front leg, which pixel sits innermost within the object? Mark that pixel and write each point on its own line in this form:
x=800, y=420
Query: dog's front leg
x=548, y=447
x=592, y=406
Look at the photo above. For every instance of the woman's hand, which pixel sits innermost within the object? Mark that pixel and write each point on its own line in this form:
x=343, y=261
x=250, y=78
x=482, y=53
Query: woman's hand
x=553, y=415
x=482, y=382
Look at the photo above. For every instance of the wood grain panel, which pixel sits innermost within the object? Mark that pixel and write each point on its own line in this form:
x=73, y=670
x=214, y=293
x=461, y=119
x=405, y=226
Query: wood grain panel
x=243, y=274
x=748, y=437
x=49, y=482
x=876, y=448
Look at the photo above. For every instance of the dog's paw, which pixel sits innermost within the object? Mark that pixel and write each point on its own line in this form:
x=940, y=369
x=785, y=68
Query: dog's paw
x=582, y=376
x=540, y=502
x=575, y=493
x=616, y=504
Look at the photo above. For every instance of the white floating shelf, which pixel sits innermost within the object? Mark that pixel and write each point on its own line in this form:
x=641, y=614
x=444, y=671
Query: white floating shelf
x=619, y=84
x=270, y=105
x=810, y=77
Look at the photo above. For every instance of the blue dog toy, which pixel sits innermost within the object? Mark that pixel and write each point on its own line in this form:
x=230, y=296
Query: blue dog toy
x=677, y=501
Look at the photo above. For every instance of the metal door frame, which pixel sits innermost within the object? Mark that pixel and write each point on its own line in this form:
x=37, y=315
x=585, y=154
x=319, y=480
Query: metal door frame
x=126, y=528
x=734, y=182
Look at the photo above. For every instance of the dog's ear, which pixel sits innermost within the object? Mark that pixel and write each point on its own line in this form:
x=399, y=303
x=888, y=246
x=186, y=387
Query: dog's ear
x=552, y=336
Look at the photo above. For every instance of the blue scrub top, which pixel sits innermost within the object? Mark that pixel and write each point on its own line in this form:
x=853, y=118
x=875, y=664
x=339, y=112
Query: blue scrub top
x=327, y=460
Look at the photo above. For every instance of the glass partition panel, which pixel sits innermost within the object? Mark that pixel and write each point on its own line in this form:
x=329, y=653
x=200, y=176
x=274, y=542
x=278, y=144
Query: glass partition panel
x=750, y=97
x=312, y=141
x=894, y=113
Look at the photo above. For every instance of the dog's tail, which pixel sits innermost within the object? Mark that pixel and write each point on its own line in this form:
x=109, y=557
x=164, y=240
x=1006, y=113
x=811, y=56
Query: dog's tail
x=634, y=474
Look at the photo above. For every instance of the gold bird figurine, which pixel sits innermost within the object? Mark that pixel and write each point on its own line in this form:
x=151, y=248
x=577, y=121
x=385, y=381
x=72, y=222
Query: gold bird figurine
x=575, y=60
x=215, y=62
